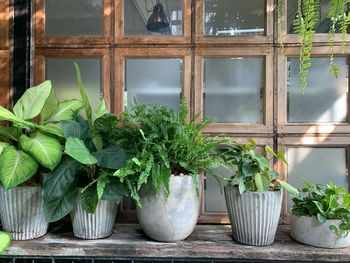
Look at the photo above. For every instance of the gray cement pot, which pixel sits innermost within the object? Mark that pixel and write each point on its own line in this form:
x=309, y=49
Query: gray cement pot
x=172, y=219
x=21, y=212
x=254, y=216
x=97, y=225
x=309, y=231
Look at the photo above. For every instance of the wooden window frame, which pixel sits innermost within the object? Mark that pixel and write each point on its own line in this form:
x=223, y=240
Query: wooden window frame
x=5, y=18
x=122, y=54
x=5, y=78
x=320, y=38
x=267, y=53
x=307, y=141
x=120, y=38
x=103, y=54
x=267, y=38
x=305, y=128
x=84, y=40
x=222, y=218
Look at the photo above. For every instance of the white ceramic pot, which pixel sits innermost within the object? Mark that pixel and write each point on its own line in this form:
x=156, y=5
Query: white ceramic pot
x=254, y=216
x=172, y=219
x=309, y=231
x=96, y=225
x=21, y=212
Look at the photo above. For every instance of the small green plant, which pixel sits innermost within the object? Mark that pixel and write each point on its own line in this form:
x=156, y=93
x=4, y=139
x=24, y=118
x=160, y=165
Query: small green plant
x=5, y=240
x=32, y=143
x=88, y=163
x=163, y=142
x=252, y=168
x=324, y=202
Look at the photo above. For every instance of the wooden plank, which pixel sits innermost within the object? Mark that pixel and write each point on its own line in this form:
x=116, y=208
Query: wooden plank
x=5, y=16
x=4, y=79
x=209, y=242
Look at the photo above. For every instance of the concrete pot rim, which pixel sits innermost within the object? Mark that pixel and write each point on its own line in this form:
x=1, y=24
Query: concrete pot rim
x=334, y=221
x=235, y=187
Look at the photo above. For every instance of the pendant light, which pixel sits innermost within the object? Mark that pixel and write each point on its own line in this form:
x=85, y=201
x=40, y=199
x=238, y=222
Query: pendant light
x=158, y=22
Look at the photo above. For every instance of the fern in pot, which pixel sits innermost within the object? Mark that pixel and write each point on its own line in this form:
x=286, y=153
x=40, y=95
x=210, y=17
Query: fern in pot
x=321, y=216
x=29, y=147
x=163, y=176
x=83, y=183
x=253, y=194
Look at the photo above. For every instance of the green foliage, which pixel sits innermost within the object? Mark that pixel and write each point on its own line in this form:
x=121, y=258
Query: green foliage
x=304, y=25
x=5, y=240
x=252, y=168
x=162, y=142
x=324, y=202
x=88, y=163
x=27, y=142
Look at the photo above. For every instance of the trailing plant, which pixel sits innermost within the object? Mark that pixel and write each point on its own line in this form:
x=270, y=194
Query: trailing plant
x=252, y=168
x=31, y=144
x=324, y=202
x=305, y=23
x=87, y=163
x=162, y=143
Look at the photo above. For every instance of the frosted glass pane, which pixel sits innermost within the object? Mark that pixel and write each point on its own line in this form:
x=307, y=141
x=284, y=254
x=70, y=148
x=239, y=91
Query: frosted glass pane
x=214, y=198
x=325, y=99
x=317, y=165
x=233, y=89
x=62, y=74
x=324, y=22
x=153, y=81
x=73, y=17
x=227, y=17
x=137, y=12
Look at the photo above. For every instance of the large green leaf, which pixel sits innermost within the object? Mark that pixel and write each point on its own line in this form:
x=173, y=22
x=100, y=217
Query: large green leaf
x=89, y=198
x=86, y=103
x=3, y=145
x=45, y=149
x=9, y=132
x=74, y=129
x=6, y=115
x=66, y=110
x=114, y=190
x=51, y=128
x=78, y=151
x=49, y=107
x=16, y=167
x=58, y=207
x=290, y=189
x=5, y=240
x=58, y=182
x=113, y=157
x=33, y=101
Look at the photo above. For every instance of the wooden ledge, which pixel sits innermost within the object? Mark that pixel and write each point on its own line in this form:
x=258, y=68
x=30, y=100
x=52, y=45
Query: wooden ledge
x=212, y=242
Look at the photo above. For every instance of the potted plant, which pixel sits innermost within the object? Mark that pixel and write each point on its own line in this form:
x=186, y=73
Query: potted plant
x=253, y=194
x=28, y=147
x=163, y=176
x=82, y=184
x=321, y=216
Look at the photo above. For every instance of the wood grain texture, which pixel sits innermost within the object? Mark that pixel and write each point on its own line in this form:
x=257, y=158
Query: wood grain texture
x=210, y=242
x=5, y=16
x=4, y=79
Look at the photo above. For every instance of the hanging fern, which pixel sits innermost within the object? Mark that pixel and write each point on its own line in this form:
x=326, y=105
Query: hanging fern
x=304, y=25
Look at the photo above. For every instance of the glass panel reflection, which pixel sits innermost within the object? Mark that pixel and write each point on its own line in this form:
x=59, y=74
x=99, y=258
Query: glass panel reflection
x=228, y=18
x=233, y=89
x=73, y=18
x=153, y=81
x=326, y=97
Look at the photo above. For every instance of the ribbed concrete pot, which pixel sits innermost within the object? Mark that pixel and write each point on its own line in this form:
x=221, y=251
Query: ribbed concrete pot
x=254, y=216
x=309, y=231
x=21, y=212
x=97, y=225
x=172, y=219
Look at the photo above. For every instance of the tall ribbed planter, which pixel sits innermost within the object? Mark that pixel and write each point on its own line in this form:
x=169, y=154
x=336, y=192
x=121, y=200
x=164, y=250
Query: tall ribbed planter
x=254, y=216
x=21, y=212
x=172, y=219
x=96, y=225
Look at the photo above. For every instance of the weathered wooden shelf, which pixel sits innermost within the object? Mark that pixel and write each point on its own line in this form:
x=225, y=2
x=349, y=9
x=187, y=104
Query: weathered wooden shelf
x=207, y=242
